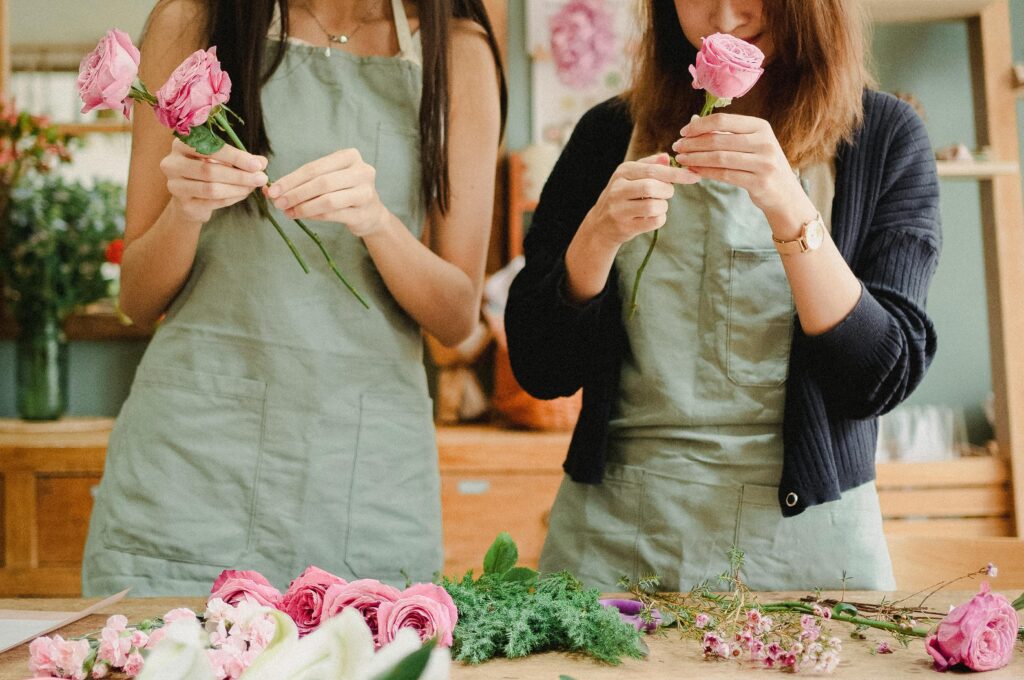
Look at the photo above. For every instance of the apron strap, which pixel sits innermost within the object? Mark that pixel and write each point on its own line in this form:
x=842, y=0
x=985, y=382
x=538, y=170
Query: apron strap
x=405, y=45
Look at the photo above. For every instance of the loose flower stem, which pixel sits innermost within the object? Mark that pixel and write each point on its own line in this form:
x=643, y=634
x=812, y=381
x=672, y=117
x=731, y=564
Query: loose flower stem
x=640, y=272
x=223, y=124
x=916, y=631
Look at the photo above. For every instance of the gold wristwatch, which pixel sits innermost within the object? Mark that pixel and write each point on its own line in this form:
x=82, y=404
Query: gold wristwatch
x=812, y=234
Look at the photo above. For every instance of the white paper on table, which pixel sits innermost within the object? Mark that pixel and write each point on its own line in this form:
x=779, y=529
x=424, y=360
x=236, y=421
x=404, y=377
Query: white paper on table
x=18, y=626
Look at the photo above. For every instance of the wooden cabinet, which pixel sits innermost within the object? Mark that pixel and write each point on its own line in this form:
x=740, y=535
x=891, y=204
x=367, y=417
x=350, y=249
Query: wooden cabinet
x=48, y=471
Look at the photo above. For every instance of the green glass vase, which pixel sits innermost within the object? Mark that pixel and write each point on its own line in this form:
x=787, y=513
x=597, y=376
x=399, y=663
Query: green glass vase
x=42, y=368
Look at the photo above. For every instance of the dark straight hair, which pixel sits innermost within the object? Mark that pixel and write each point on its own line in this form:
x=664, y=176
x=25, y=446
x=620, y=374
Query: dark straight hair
x=239, y=30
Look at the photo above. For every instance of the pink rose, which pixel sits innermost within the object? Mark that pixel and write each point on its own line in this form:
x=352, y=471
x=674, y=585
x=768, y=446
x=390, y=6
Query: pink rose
x=978, y=634
x=727, y=67
x=237, y=586
x=365, y=595
x=582, y=41
x=193, y=90
x=106, y=75
x=304, y=599
x=426, y=608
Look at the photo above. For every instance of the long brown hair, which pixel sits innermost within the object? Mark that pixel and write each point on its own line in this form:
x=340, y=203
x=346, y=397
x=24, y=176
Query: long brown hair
x=239, y=30
x=815, y=81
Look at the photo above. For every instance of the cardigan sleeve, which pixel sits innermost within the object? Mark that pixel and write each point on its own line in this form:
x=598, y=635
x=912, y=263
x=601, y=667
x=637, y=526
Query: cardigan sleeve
x=880, y=352
x=553, y=343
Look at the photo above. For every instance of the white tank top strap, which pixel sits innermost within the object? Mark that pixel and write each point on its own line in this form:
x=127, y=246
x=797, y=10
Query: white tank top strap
x=407, y=47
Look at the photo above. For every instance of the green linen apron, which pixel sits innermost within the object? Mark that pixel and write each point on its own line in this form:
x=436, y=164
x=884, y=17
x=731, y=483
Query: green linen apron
x=273, y=422
x=695, y=450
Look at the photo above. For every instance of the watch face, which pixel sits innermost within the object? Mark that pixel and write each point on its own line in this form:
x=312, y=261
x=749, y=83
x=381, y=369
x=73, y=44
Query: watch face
x=815, y=234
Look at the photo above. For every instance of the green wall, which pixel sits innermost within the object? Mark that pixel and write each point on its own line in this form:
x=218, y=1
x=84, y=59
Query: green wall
x=929, y=60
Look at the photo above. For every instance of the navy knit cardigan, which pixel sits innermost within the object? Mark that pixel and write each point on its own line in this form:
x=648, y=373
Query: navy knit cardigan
x=885, y=223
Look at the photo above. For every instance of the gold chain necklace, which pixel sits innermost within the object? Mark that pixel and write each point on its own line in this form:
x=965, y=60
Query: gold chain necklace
x=339, y=38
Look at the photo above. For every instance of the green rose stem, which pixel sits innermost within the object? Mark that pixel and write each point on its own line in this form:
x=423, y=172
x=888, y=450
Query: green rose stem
x=710, y=102
x=916, y=631
x=221, y=121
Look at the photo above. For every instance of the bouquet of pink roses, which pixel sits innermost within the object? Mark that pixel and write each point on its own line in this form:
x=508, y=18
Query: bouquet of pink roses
x=192, y=103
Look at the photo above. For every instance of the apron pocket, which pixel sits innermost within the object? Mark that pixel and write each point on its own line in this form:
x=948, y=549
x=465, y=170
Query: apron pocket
x=187, y=466
x=398, y=179
x=760, y=320
x=394, y=517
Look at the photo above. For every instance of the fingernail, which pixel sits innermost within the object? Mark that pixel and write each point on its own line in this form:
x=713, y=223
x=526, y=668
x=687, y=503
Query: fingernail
x=694, y=117
x=260, y=178
x=263, y=162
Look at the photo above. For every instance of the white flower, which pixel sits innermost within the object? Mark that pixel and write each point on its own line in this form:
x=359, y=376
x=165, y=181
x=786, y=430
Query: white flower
x=180, y=655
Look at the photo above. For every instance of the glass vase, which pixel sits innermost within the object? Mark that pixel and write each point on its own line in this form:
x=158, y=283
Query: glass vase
x=42, y=369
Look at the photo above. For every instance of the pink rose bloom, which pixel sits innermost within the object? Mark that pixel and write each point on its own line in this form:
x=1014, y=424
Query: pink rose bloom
x=727, y=67
x=365, y=595
x=237, y=586
x=582, y=41
x=304, y=599
x=193, y=90
x=426, y=608
x=978, y=634
x=106, y=75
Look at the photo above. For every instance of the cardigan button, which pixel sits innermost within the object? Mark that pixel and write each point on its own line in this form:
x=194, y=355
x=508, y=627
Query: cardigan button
x=791, y=499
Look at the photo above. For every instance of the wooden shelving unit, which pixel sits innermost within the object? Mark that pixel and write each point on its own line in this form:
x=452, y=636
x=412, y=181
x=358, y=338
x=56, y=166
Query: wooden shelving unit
x=956, y=485
x=111, y=127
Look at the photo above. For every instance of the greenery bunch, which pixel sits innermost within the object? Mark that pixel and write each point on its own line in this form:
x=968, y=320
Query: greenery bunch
x=58, y=231
x=514, y=611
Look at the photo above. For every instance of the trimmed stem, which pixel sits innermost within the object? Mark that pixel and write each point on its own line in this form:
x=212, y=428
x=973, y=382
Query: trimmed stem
x=223, y=123
x=639, y=272
x=709, y=103
x=916, y=631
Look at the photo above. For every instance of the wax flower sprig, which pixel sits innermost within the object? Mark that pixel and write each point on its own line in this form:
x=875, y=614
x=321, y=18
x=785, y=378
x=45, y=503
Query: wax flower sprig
x=726, y=68
x=192, y=103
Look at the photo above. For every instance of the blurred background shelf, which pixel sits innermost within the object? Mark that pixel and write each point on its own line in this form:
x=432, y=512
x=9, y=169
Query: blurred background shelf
x=976, y=169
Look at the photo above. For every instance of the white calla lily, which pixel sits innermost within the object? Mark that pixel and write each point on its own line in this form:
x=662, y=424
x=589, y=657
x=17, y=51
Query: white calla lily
x=405, y=643
x=337, y=650
x=181, y=655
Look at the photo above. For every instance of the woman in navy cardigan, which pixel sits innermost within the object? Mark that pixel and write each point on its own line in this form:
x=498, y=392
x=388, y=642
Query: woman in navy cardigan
x=781, y=313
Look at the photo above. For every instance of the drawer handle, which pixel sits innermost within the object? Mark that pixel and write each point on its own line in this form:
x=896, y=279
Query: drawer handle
x=474, y=487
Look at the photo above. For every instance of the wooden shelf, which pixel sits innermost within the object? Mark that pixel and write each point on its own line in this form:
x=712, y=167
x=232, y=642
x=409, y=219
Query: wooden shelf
x=98, y=321
x=114, y=126
x=898, y=11
x=976, y=169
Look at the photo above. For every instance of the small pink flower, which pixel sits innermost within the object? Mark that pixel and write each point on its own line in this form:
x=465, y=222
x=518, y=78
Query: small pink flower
x=701, y=620
x=236, y=586
x=426, y=608
x=726, y=67
x=42, y=656
x=134, y=665
x=106, y=75
x=366, y=595
x=978, y=634
x=884, y=648
x=992, y=571
x=114, y=647
x=100, y=670
x=155, y=637
x=304, y=599
x=179, y=613
x=582, y=41
x=194, y=89
x=71, y=655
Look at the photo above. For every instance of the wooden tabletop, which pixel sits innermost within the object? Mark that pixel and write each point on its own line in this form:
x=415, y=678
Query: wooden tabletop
x=670, y=657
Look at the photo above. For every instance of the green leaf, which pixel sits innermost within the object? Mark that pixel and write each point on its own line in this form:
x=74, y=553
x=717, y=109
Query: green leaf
x=566, y=677
x=521, y=574
x=202, y=139
x=844, y=608
x=1019, y=602
x=502, y=555
x=411, y=667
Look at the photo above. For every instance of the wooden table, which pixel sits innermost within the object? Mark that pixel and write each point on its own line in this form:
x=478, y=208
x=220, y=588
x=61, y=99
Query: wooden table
x=670, y=658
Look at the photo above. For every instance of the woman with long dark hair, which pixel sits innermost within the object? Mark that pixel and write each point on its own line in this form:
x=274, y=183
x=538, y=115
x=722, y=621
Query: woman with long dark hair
x=781, y=313
x=273, y=422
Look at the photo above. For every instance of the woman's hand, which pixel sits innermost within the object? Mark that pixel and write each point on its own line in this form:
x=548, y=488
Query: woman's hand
x=340, y=187
x=200, y=184
x=635, y=200
x=748, y=155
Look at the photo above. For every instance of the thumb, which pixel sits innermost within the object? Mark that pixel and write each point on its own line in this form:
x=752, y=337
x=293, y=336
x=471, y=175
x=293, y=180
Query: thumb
x=656, y=159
